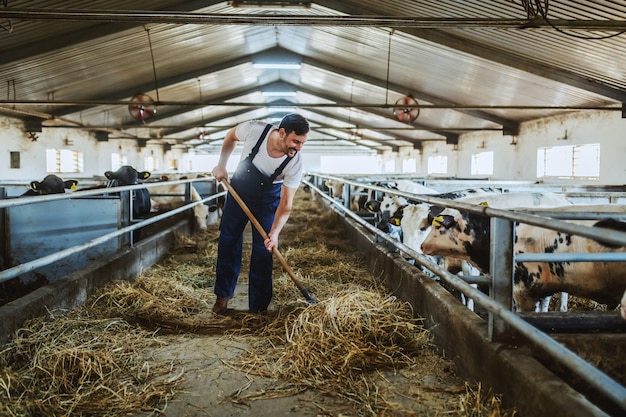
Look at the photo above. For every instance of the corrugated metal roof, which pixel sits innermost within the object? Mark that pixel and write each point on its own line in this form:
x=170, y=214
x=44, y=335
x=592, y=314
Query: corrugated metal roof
x=97, y=66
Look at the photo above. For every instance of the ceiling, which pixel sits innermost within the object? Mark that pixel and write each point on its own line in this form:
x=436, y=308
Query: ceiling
x=473, y=65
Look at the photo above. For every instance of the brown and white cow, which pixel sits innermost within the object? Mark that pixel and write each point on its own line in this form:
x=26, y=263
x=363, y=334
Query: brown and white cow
x=167, y=202
x=171, y=196
x=467, y=236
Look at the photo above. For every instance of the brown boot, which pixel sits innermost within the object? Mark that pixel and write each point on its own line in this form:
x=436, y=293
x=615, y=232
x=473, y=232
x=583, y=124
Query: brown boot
x=221, y=305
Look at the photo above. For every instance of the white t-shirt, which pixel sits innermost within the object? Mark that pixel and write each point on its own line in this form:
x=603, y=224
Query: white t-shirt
x=248, y=133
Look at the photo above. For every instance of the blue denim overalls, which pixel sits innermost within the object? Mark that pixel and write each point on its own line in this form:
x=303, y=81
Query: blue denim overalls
x=262, y=198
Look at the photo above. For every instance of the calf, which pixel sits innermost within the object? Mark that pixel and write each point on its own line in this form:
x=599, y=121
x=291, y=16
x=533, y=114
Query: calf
x=170, y=196
x=51, y=184
x=127, y=175
x=467, y=236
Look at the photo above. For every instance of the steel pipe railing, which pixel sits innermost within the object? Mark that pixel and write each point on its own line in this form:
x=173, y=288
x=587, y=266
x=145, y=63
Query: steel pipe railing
x=587, y=372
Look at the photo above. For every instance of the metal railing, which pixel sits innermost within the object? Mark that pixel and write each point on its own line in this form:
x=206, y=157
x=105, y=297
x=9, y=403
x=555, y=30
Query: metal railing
x=501, y=314
x=54, y=257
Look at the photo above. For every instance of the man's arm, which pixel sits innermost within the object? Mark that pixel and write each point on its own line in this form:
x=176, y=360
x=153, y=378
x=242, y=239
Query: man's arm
x=280, y=218
x=230, y=142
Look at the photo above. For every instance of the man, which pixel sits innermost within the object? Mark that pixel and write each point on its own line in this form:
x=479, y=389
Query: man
x=266, y=178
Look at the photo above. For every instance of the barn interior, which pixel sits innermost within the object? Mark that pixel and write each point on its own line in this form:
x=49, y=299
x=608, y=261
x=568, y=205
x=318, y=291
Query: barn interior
x=514, y=94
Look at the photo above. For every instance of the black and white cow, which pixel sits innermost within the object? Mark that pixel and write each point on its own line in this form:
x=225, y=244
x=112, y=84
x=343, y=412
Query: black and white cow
x=127, y=175
x=467, y=236
x=415, y=220
x=51, y=184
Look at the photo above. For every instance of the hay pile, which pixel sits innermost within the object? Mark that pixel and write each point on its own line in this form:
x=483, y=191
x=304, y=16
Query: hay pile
x=78, y=364
x=356, y=343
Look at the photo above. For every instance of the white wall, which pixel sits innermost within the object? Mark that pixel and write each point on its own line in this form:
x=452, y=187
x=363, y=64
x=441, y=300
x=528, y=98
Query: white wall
x=514, y=157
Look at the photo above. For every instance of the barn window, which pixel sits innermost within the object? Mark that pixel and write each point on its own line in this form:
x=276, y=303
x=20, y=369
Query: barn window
x=438, y=164
x=118, y=161
x=173, y=164
x=409, y=165
x=151, y=163
x=573, y=161
x=482, y=163
x=15, y=160
x=64, y=161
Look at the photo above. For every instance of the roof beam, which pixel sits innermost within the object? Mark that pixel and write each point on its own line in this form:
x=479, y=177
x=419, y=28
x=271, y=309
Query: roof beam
x=493, y=54
x=506, y=123
x=92, y=32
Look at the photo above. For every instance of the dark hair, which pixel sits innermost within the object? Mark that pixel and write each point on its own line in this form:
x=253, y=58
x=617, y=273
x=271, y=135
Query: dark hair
x=294, y=122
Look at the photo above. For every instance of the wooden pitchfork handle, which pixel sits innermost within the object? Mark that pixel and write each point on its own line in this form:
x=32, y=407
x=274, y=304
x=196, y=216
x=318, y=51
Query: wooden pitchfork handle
x=257, y=225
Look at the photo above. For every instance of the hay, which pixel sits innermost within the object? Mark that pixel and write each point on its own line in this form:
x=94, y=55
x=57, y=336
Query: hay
x=353, y=344
x=79, y=364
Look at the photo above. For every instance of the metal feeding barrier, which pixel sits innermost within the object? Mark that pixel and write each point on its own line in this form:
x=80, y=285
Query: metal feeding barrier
x=501, y=317
x=49, y=259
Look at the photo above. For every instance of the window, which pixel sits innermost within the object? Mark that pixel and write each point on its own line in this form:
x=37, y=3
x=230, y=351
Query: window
x=64, y=161
x=118, y=161
x=482, y=163
x=574, y=161
x=390, y=166
x=173, y=164
x=409, y=165
x=150, y=163
x=438, y=164
x=15, y=160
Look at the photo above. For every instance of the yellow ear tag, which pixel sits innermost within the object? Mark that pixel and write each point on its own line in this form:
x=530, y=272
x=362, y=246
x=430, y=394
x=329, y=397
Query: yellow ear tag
x=73, y=187
x=437, y=221
x=396, y=221
x=484, y=204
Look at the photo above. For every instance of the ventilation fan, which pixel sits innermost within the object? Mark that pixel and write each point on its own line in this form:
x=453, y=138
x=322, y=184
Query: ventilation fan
x=406, y=114
x=142, y=107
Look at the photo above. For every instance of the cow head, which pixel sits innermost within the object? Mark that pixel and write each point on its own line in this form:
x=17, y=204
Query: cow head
x=126, y=175
x=51, y=184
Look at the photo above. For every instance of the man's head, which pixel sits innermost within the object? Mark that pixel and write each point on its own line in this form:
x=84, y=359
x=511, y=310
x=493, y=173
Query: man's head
x=293, y=129
x=294, y=122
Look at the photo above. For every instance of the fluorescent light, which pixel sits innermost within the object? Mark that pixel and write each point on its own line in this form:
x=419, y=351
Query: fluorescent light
x=279, y=93
x=268, y=65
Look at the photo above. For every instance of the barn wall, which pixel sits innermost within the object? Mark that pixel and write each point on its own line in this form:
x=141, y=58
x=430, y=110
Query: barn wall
x=515, y=156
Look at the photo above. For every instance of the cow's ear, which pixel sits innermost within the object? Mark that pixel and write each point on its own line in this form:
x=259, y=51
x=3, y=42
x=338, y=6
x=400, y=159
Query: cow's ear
x=35, y=185
x=373, y=206
x=108, y=174
x=144, y=175
x=71, y=184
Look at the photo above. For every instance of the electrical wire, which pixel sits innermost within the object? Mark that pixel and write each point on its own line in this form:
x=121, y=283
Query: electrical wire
x=539, y=8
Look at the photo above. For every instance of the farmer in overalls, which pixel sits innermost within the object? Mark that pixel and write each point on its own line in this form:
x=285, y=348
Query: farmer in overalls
x=266, y=178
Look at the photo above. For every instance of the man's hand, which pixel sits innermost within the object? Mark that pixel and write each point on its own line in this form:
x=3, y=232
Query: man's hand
x=271, y=242
x=220, y=173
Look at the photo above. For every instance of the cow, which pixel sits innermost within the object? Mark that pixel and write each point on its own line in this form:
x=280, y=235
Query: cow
x=358, y=195
x=170, y=196
x=467, y=236
x=407, y=221
x=127, y=175
x=415, y=219
x=51, y=184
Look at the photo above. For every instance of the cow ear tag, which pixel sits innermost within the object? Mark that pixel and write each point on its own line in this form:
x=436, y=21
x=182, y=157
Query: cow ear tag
x=396, y=221
x=484, y=204
x=73, y=187
x=437, y=221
